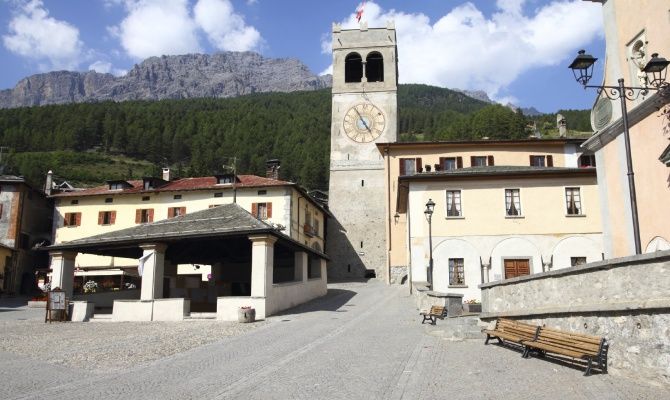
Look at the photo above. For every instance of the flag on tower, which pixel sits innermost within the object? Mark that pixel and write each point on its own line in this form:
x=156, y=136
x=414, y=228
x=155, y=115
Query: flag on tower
x=359, y=11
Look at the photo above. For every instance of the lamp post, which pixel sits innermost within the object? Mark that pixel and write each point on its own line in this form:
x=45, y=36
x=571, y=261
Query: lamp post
x=582, y=69
x=430, y=206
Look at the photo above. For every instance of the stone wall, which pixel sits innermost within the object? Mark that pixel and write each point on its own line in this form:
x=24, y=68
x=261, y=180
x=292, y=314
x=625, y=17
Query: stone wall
x=626, y=300
x=398, y=275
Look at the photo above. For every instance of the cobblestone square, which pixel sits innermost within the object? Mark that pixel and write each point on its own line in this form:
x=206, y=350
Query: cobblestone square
x=361, y=341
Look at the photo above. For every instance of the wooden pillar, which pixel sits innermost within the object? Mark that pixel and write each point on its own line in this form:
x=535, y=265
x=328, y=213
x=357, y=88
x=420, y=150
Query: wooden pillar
x=153, y=271
x=262, y=263
x=62, y=270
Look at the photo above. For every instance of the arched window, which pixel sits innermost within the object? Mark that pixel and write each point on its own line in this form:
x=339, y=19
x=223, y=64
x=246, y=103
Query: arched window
x=374, y=67
x=353, y=68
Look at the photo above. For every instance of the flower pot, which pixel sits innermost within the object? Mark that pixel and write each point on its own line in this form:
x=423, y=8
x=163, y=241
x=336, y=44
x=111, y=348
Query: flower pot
x=246, y=315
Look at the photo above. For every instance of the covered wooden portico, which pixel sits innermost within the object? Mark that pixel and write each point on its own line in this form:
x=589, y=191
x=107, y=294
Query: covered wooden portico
x=252, y=264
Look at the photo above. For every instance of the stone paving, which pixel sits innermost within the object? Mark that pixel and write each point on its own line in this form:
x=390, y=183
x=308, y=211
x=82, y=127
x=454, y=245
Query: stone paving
x=361, y=341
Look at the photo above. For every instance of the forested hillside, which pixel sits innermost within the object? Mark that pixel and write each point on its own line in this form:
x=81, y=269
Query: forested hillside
x=195, y=136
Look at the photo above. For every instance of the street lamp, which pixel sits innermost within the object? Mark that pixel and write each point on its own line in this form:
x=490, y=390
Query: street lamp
x=430, y=206
x=582, y=69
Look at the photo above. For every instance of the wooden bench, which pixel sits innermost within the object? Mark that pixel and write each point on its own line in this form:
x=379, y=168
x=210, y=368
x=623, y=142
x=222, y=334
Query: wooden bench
x=434, y=313
x=513, y=331
x=593, y=349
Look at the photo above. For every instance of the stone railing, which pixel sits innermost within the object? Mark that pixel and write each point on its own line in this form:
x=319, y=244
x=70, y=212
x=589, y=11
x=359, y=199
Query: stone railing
x=626, y=300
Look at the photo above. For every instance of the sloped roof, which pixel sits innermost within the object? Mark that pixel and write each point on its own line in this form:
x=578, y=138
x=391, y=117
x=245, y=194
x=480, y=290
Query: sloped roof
x=665, y=156
x=225, y=220
x=198, y=183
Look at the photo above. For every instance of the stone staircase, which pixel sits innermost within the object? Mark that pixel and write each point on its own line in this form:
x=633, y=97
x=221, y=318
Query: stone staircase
x=463, y=327
x=101, y=318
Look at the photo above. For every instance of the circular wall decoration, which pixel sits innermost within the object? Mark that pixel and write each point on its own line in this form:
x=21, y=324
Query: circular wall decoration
x=601, y=114
x=364, y=123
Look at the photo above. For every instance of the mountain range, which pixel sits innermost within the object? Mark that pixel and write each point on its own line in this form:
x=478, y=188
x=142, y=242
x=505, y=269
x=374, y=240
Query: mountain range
x=221, y=75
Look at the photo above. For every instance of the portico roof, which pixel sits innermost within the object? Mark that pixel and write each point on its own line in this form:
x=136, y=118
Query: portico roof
x=226, y=221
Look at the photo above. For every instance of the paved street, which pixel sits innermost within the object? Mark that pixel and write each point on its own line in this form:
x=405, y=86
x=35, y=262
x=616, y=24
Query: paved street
x=362, y=341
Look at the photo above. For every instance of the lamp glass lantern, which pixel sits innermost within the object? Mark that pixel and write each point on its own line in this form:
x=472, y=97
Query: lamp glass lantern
x=430, y=206
x=582, y=67
x=656, y=70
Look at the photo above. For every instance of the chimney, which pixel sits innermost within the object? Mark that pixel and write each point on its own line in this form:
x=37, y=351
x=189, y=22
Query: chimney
x=561, y=125
x=166, y=174
x=272, y=169
x=48, y=185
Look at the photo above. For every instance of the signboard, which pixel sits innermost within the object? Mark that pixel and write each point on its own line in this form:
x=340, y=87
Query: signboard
x=56, y=306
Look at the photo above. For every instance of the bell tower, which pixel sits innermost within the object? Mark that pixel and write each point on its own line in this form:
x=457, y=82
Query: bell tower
x=364, y=112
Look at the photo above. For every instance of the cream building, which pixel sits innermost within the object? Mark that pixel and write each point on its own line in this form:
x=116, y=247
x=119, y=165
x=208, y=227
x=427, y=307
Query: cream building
x=504, y=208
x=634, y=30
x=282, y=208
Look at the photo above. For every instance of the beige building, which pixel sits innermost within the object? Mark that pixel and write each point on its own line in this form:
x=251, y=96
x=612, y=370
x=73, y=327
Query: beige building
x=634, y=30
x=126, y=208
x=504, y=208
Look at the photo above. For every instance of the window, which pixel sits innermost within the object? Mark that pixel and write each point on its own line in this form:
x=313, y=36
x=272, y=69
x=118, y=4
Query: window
x=261, y=210
x=450, y=163
x=226, y=179
x=587, y=160
x=143, y=216
x=116, y=186
x=410, y=166
x=218, y=194
x=177, y=197
x=456, y=271
x=109, y=200
x=146, y=198
x=374, y=67
x=106, y=217
x=72, y=219
x=262, y=192
x=575, y=261
x=453, y=203
x=481, y=161
x=573, y=201
x=512, y=202
x=176, y=211
x=541, y=161
x=73, y=202
x=353, y=68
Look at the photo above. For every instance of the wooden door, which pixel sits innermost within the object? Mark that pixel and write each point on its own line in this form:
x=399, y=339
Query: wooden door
x=515, y=267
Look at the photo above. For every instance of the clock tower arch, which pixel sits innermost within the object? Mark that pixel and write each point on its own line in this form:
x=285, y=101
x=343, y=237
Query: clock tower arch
x=364, y=112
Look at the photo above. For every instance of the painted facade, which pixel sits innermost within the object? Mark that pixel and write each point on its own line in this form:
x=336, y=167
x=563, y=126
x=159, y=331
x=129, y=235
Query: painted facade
x=364, y=112
x=25, y=222
x=102, y=210
x=633, y=31
x=477, y=240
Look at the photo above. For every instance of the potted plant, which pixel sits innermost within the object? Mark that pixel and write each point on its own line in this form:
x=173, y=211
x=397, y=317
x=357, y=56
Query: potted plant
x=472, y=305
x=246, y=314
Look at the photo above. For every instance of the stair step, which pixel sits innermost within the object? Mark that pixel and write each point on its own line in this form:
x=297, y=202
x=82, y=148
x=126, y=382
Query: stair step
x=201, y=315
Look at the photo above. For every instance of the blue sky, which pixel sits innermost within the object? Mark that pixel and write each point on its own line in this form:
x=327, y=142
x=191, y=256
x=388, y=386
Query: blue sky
x=515, y=50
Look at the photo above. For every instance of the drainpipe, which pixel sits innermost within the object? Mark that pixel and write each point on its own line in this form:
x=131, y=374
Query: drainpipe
x=388, y=211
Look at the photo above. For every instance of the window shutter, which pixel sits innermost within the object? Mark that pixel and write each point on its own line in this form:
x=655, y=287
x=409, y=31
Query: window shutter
x=171, y=212
x=550, y=161
x=402, y=167
x=531, y=161
x=419, y=165
x=138, y=216
x=490, y=163
x=269, y=209
x=66, y=219
x=254, y=209
x=459, y=162
x=101, y=217
x=77, y=217
x=472, y=161
x=151, y=215
x=183, y=210
x=112, y=218
x=442, y=163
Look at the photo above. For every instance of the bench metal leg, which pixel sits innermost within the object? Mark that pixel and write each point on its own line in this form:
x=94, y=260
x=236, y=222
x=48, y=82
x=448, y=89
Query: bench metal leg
x=588, y=367
x=526, y=351
x=488, y=337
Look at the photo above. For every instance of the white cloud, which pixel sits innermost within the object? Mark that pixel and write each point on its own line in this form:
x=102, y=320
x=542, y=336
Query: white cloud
x=105, y=67
x=157, y=27
x=467, y=50
x=225, y=29
x=52, y=43
x=327, y=71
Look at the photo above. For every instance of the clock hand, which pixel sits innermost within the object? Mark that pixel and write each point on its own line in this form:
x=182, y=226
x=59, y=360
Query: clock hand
x=365, y=124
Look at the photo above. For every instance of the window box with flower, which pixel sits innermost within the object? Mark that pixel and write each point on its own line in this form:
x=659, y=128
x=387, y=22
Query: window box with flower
x=472, y=306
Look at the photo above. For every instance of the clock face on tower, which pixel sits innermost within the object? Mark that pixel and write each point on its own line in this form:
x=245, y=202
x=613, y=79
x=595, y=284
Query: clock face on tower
x=364, y=123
